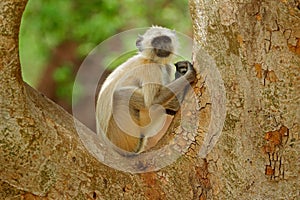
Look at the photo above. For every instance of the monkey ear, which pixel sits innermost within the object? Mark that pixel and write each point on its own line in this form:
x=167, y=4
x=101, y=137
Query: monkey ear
x=138, y=42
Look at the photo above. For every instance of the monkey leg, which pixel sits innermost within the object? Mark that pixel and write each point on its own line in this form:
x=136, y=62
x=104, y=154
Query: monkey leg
x=130, y=95
x=122, y=139
x=129, y=101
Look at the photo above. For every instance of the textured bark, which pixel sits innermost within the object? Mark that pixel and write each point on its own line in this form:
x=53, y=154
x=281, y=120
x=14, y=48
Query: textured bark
x=256, y=48
x=42, y=156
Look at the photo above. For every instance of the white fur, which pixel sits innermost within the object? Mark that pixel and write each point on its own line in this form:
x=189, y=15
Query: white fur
x=137, y=71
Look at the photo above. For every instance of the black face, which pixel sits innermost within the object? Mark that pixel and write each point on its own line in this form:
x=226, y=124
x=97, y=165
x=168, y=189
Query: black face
x=162, y=46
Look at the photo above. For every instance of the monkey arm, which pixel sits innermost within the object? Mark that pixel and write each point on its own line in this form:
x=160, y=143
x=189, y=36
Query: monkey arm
x=168, y=96
x=178, y=86
x=136, y=101
x=172, y=106
x=135, y=98
x=171, y=91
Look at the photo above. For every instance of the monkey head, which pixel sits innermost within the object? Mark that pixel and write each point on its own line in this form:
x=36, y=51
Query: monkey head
x=158, y=44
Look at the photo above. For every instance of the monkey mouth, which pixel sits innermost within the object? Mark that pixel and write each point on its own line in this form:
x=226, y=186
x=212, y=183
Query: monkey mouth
x=162, y=52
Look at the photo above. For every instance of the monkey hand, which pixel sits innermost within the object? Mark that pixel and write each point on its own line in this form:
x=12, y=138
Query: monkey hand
x=190, y=73
x=185, y=68
x=181, y=68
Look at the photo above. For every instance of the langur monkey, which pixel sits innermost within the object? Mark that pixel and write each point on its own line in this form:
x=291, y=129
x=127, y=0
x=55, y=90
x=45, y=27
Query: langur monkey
x=137, y=100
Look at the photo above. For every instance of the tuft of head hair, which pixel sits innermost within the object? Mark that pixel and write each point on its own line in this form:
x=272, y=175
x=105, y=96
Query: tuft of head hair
x=145, y=48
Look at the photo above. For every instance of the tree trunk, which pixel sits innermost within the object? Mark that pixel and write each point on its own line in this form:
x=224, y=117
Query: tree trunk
x=255, y=46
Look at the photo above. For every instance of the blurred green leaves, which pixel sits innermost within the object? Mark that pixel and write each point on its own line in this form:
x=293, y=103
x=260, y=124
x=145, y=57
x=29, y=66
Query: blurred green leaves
x=63, y=76
x=48, y=23
x=120, y=59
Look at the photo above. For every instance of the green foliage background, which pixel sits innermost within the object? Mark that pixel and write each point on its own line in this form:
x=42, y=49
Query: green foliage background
x=48, y=23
